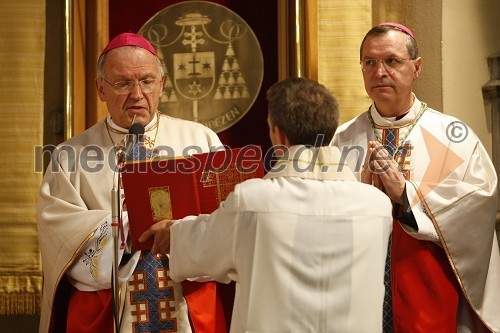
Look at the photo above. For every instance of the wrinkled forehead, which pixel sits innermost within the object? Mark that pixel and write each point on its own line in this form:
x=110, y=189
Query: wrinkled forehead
x=130, y=59
x=392, y=43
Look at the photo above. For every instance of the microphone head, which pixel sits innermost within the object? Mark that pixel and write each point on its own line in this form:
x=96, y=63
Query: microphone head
x=134, y=133
x=136, y=129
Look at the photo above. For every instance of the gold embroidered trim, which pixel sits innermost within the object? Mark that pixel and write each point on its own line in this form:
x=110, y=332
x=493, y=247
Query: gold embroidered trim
x=448, y=254
x=20, y=304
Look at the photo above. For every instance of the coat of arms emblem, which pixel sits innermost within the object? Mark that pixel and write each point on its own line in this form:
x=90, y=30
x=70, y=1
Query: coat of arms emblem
x=212, y=59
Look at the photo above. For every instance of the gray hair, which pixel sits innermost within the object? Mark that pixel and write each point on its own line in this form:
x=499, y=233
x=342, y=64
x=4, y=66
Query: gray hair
x=100, y=65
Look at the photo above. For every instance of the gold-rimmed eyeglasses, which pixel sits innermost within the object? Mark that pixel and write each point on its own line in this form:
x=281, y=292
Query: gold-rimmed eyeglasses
x=370, y=64
x=125, y=87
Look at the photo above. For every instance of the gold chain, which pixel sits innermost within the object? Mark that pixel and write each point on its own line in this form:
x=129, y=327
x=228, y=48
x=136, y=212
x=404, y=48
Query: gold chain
x=411, y=124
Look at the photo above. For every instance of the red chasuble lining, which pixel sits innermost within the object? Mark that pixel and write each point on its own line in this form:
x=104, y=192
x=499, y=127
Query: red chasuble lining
x=425, y=291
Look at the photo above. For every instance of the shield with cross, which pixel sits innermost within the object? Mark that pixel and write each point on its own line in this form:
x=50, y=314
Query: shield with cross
x=213, y=62
x=194, y=74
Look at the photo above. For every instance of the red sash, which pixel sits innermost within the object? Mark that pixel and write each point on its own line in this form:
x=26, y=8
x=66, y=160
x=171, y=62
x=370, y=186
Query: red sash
x=205, y=307
x=425, y=291
x=91, y=312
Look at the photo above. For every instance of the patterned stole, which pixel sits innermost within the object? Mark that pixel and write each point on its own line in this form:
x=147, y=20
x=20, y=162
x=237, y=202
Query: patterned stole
x=152, y=293
x=142, y=149
x=390, y=138
x=411, y=301
x=151, y=289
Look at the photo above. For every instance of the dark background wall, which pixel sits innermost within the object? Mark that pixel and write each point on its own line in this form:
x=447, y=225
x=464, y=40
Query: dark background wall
x=261, y=16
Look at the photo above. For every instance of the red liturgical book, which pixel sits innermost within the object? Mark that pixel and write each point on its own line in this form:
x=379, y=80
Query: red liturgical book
x=173, y=188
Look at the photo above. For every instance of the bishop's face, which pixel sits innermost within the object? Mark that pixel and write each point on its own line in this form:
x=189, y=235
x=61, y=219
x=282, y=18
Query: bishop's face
x=387, y=83
x=141, y=95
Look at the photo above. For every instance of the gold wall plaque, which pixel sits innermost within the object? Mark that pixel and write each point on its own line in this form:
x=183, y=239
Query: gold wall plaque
x=212, y=59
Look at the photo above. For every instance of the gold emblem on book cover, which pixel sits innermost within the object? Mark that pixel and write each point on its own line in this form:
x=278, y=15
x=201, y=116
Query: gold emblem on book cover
x=161, y=206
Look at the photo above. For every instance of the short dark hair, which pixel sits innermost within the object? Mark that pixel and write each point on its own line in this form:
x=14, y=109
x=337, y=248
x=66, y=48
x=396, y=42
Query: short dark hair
x=305, y=110
x=411, y=44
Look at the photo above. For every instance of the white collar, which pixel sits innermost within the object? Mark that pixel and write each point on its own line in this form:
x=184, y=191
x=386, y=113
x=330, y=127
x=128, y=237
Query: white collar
x=322, y=163
x=148, y=127
x=409, y=117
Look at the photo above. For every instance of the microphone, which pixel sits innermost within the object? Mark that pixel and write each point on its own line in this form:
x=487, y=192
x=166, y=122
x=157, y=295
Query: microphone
x=134, y=131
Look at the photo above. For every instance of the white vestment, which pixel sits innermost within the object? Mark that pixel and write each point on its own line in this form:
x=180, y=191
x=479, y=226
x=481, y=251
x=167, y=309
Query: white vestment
x=452, y=191
x=306, y=246
x=74, y=209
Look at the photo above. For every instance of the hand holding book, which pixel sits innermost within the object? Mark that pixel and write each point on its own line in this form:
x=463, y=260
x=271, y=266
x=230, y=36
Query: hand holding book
x=161, y=232
x=170, y=189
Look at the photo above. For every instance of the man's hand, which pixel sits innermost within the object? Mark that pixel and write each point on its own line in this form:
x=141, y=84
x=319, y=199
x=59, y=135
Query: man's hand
x=381, y=171
x=161, y=232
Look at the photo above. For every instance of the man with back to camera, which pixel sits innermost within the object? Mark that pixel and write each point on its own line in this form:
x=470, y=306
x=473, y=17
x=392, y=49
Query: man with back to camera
x=306, y=244
x=444, y=258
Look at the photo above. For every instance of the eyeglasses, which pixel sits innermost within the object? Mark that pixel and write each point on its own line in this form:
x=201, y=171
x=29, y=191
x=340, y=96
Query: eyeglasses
x=369, y=65
x=125, y=87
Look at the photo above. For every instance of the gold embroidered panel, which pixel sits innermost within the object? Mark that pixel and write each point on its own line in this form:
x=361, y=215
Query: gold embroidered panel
x=22, y=56
x=341, y=28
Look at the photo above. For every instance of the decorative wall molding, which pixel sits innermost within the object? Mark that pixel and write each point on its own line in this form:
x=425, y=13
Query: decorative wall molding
x=491, y=94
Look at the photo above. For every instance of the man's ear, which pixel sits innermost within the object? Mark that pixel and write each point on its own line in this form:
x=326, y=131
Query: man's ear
x=162, y=81
x=418, y=67
x=282, y=137
x=100, y=89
